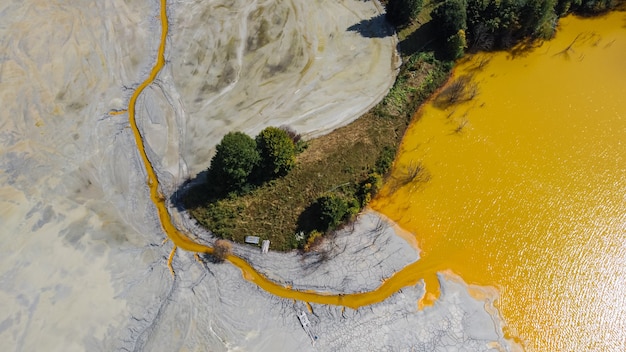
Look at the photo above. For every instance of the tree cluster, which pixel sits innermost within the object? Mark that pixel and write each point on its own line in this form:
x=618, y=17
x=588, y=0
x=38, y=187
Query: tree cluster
x=500, y=24
x=240, y=162
x=584, y=6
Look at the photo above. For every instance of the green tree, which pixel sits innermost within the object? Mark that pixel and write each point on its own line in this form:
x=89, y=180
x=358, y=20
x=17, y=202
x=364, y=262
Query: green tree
x=402, y=12
x=277, y=151
x=333, y=209
x=502, y=24
x=450, y=17
x=235, y=158
x=594, y=6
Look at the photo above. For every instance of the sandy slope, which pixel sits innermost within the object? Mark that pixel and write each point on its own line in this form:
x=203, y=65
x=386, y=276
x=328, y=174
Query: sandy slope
x=306, y=64
x=82, y=266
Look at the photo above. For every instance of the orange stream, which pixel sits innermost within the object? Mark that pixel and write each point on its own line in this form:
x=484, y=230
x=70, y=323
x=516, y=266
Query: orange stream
x=182, y=241
x=527, y=187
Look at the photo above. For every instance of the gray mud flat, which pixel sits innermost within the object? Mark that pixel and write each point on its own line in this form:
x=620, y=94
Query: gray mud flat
x=82, y=264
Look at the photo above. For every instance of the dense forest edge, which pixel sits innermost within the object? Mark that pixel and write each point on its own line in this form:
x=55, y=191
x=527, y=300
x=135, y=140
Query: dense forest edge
x=294, y=193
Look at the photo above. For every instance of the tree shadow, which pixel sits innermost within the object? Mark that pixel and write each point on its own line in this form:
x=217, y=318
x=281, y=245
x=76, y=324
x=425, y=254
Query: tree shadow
x=422, y=39
x=524, y=48
x=193, y=193
x=413, y=173
x=210, y=258
x=200, y=191
x=375, y=27
x=460, y=90
x=309, y=219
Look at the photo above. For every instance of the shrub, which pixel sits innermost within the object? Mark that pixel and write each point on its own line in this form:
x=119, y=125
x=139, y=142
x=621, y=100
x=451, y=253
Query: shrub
x=354, y=206
x=385, y=160
x=455, y=45
x=219, y=219
x=235, y=159
x=221, y=250
x=295, y=136
x=313, y=239
x=335, y=208
x=277, y=151
x=301, y=146
x=369, y=187
x=332, y=210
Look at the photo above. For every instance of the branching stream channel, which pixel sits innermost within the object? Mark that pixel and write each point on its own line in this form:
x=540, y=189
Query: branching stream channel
x=401, y=279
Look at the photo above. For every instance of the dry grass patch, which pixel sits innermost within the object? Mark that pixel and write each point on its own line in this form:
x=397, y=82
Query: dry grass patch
x=337, y=162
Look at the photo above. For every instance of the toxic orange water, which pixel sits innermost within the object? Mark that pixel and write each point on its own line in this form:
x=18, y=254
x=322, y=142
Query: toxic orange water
x=529, y=203
x=527, y=187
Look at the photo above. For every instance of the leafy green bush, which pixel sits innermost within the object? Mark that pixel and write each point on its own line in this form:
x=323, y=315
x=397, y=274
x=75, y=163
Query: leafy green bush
x=334, y=208
x=455, y=45
x=219, y=219
x=369, y=187
x=354, y=207
x=301, y=146
x=450, y=16
x=277, y=151
x=235, y=159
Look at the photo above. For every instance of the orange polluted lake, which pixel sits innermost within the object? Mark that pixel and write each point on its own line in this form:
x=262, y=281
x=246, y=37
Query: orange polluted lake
x=523, y=188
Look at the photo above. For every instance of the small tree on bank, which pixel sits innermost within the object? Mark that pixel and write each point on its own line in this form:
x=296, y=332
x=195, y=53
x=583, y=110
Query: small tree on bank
x=450, y=17
x=335, y=208
x=235, y=158
x=277, y=151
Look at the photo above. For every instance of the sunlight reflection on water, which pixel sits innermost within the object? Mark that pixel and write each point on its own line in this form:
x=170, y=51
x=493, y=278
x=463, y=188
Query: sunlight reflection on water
x=527, y=186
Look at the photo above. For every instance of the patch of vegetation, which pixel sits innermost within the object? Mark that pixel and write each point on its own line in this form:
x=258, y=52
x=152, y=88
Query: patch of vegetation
x=335, y=208
x=493, y=25
x=413, y=85
x=292, y=192
x=241, y=163
x=334, y=176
